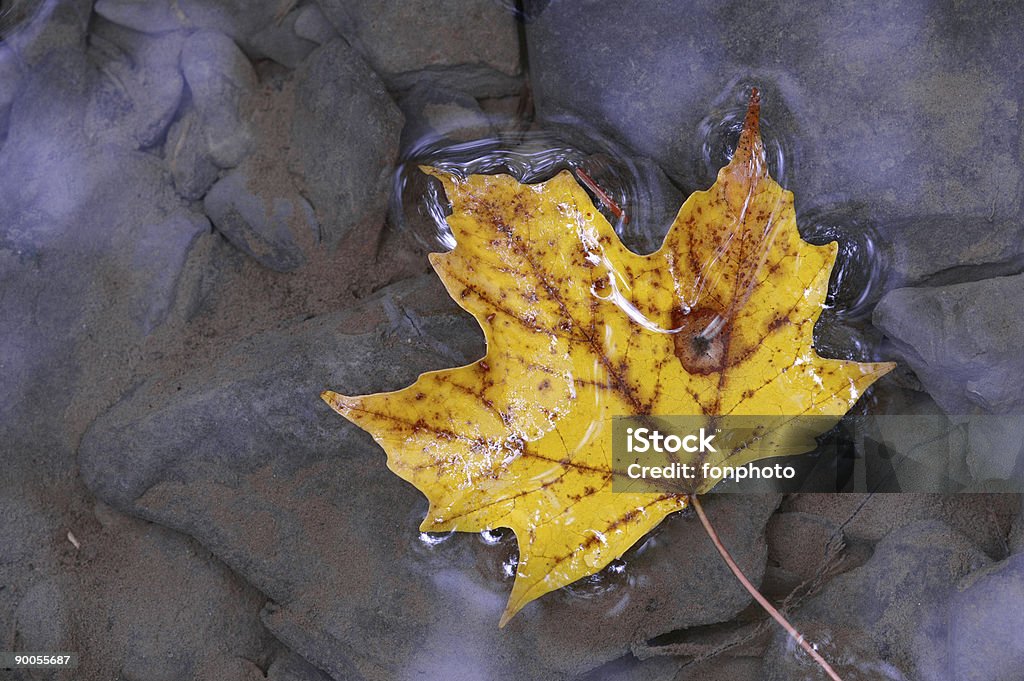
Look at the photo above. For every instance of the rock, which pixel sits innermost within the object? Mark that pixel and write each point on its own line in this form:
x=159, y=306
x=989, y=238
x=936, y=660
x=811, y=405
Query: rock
x=887, y=616
x=277, y=231
x=1015, y=542
x=317, y=174
x=869, y=517
x=333, y=540
x=50, y=27
x=433, y=113
x=960, y=341
x=207, y=619
x=42, y=620
x=937, y=250
x=900, y=143
x=221, y=81
x=93, y=254
x=10, y=77
x=471, y=45
x=719, y=668
x=281, y=42
x=995, y=448
x=139, y=86
x=798, y=547
x=238, y=19
x=985, y=621
x=914, y=447
x=346, y=156
x=188, y=157
x=291, y=667
x=159, y=256
x=312, y=25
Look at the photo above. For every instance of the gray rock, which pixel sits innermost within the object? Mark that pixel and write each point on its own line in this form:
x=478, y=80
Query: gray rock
x=207, y=620
x=10, y=77
x=291, y=667
x=985, y=622
x=996, y=445
x=326, y=140
x=50, y=26
x=158, y=257
x=312, y=25
x=281, y=42
x=905, y=144
x=92, y=254
x=468, y=44
x=961, y=341
x=275, y=230
x=433, y=113
x=188, y=158
x=310, y=529
x=886, y=618
x=937, y=250
x=1015, y=542
x=344, y=153
x=42, y=620
x=238, y=19
x=221, y=81
x=138, y=89
x=868, y=518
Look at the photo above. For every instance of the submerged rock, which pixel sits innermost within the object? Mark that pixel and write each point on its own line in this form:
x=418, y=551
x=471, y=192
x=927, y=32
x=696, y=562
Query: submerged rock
x=886, y=618
x=985, y=624
x=139, y=86
x=221, y=81
x=239, y=19
x=472, y=45
x=434, y=113
x=323, y=147
x=961, y=341
x=243, y=455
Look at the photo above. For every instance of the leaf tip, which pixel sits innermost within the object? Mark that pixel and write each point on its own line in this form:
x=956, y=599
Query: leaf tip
x=336, y=401
x=750, y=148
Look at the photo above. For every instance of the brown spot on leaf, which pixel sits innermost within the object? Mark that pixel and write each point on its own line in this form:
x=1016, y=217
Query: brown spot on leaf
x=701, y=340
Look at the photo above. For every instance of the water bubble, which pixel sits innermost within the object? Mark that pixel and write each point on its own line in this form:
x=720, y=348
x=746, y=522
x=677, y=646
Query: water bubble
x=626, y=190
x=494, y=537
x=509, y=565
x=432, y=539
x=612, y=577
x=719, y=131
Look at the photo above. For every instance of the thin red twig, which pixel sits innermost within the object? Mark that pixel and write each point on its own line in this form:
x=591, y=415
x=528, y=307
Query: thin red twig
x=769, y=608
x=602, y=195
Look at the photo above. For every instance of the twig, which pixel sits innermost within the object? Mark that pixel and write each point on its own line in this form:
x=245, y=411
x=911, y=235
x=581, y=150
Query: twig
x=769, y=608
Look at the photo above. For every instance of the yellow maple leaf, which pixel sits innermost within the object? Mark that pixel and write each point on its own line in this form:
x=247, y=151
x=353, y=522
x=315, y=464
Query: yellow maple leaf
x=579, y=329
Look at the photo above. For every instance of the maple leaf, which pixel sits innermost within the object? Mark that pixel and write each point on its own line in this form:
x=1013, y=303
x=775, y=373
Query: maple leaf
x=579, y=329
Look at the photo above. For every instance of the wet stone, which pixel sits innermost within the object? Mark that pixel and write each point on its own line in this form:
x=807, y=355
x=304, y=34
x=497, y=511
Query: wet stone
x=139, y=85
x=986, y=619
x=239, y=19
x=961, y=341
x=315, y=173
x=469, y=44
x=887, y=618
x=281, y=41
x=221, y=81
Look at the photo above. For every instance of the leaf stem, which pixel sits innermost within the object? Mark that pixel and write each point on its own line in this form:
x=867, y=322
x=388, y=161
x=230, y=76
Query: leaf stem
x=769, y=608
